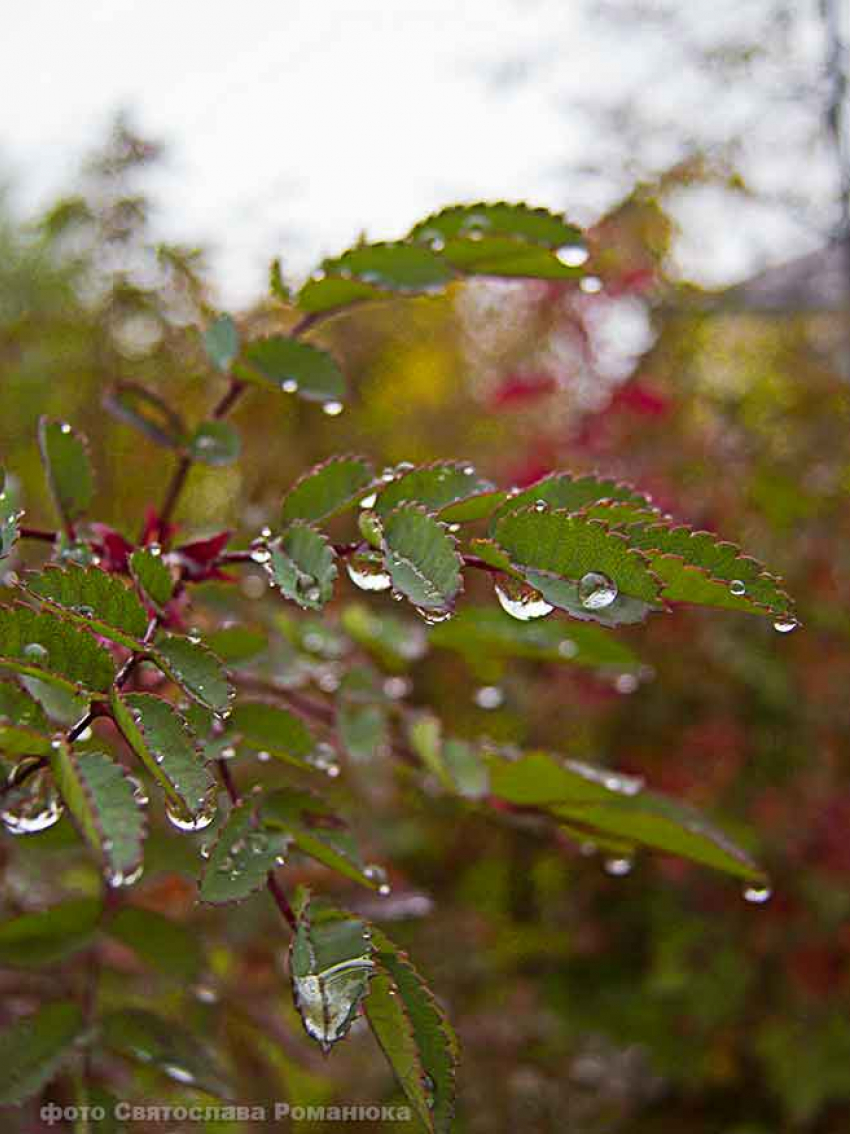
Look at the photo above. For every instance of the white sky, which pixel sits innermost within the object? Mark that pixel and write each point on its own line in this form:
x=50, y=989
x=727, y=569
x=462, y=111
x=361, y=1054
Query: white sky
x=292, y=126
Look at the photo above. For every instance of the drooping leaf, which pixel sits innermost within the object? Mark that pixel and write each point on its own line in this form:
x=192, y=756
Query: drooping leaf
x=243, y=854
x=435, y=487
x=426, y=1069
x=146, y=412
x=568, y=493
x=48, y=936
x=307, y=822
x=152, y=576
x=327, y=489
x=481, y=633
x=46, y=647
x=615, y=804
x=520, y=221
x=330, y=964
x=196, y=669
x=221, y=339
x=24, y=727
x=100, y=798
x=303, y=566
x=294, y=367
x=9, y=517
x=162, y=740
x=400, y=267
x=164, y=1043
x=69, y=474
x=395, y=642
x=34, y=1048
x=92, y=598
x=422, y=558
x=164, y=944
x=215, y=443
x=698, y=567
x=269, y=728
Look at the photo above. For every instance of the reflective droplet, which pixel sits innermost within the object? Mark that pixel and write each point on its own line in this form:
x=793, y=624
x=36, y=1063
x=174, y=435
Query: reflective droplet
x=521, y=601
x=34, y=806
x=785, y=625
x=540, y=506
x=626, y=683
x=205, y=993
x=289, y=386
x=377, y=874
x=117, y=878
x=397, y=687
x=489, y=697
x=155, y=550
x=369, y=501
x=736, y=587
x=591, y=285
x=227, y=753
x=366, y=571
x=618, y=867
x=265, y=533
x=35, y=652
x=573, y=255
x=757, y=894
x=177, y=1073
x=567, y=648
x=139, y=793
x=264, y=757
x=65, y=427
x=596, y=591
x=84, y=611
x=332, y=409
x=433, y=617
x=194, y=821
x=261, y=555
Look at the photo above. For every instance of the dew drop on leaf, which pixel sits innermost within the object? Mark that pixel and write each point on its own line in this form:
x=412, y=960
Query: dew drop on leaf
x=626, y=683
x=369, y=501
x=596, y=591
x=785, y=625
x=567, y=648
x=332, y=409
x=35, y=652
x=34, y=806
x=433, y=617
x=260, y=555
x=367, y=572
x=758, y=895
x=618, y=867
x=489, y=697
x=737, y=588
x=521, y=601
x=573, y=255
x=198, y=820
x=289, y=386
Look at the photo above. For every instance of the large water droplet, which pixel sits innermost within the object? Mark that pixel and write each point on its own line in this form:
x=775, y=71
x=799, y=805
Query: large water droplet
x=367, y=572
x=757, y=894
x=521, y=601
x=333, y=409
x=34, y=806
x=573, y=255
x=596, y=591
x=177, y=1073
x=369, y=501
x=261, y=555
x=194, y=821
x=737, y=588
x=289, y=386
x=433, y=617
x=35, y=652
x=785, y=625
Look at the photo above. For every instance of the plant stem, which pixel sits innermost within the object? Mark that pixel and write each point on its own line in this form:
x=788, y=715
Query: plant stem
x=38, y=534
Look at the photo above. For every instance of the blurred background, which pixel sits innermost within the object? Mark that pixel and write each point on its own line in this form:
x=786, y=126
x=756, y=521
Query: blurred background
x=156, y=157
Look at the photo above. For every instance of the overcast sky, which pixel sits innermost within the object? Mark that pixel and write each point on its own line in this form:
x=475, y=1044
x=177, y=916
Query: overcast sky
x=291, y=126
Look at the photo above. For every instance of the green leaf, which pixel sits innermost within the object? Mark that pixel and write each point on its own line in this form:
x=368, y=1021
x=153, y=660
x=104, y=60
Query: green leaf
x=303, y=565
x=165, y=945
x=215, y=443
x=152, y=576
x=34, y=1048
x=164, y=1043
x=163, y=741
x=511, y=259
x=395, y=642
x=237, y=644
x=221, y=339
x=100, y=797
x=434, y=486
x=422, y=558
x=565, y=492
x=9, y=517
x=48, y=936
x=269, y=728
x=614, y=804
x=92, y=598
x=403, y=268
x=466, y=768
x=69, y=475
x=146, y=412
x=242, y=856
x=307, y=822
x=425, y=1069
x=330, y=964
x=699, y=567
x=44, y=646
x=330, y=293
x=556, y=552
x=327, y=489
x=294, y=367
x=196, y=669
x=481, y=632
x=535, y=226
x=363, y=730
x=24, y=727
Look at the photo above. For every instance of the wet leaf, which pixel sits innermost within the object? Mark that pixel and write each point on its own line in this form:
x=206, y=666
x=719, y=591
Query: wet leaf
x=395, y=642
x=100, y=797
x=435, y=487
x=215, y=443
x=569, y=493
x=9, y=516
x=165, y=945
x=422, y=558
x=44, y=646
x=308, y=823
x=146, y=412
x=236, y=645
x=330, y=964
x=34, y=1048
x=536, y=226
x=164, y=743
x=269, y=728
x=508, y=258
x=152, y=576
x=294, y=367
x=92, y=598
x=303, y=565
x=330, y=293
x=327, y=489
x=164, y=1043
x=242, y=856
x=403, y=268
x=47, y=936
x=221, y=340
x=64, y=453
x=196, y=669
x=24, y=727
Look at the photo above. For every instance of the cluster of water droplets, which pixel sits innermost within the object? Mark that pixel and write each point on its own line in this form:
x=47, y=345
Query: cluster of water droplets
x=323, y=759
x=377, y=874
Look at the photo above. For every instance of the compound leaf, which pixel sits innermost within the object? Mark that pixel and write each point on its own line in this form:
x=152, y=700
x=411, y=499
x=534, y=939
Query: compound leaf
x=92, y=598
x=421, y=558
x=43, y=646
x=196, y=669
x=303, y=565
x=327, y=489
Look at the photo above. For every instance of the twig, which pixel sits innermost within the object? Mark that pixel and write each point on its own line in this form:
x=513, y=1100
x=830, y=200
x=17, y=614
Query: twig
x=38, y=534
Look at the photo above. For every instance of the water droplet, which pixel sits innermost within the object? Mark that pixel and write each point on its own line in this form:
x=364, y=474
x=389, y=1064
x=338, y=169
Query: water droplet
x=618, y=867
x=261, y=555
x=84, y=611
x=332, y=409
x=65, y=427
x=140, y=795
x=289, y=386
x=377, y=874
x=366, y=571
x=179, y=1074
x=369, y=501
x=567, y=648
x=737, y=587
x=573, y=255
x=155, y=550
x=118, y=878
x=264, y=757
x=198, y=820
x=227, y=753
x=35, y=652
x=626, y=683
x=453, y=528
x=785, y=625
x=205, y=850
x=279, y=860
x=332, y=771
x=489, y=697
x=521, y=601
x=433, y=617
x=757, y=894
x=34, y=806
x=540, y=505
x=591, y=285
x=265, y=533
x=205, y=993
x=596, y=591
x=397, y=687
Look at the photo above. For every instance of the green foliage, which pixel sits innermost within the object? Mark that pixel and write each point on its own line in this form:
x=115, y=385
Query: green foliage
x=196, y=669
x=69, y=473
x=265, y=727
x=152, y=576
x=92, y=598
x=24, y=727
x=9, y=517
x=142, y=409
x=43, y=646
x=436, y=488
x=310, y=826
x=221, y=340
x=215, y=443
x=326, y=490
x=243, y=854
x=34, y=1048
x=303, y=566
x=421, y=558
x=150, y=1039
x=293, y=367
x=165, y=945
x=48, y=936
